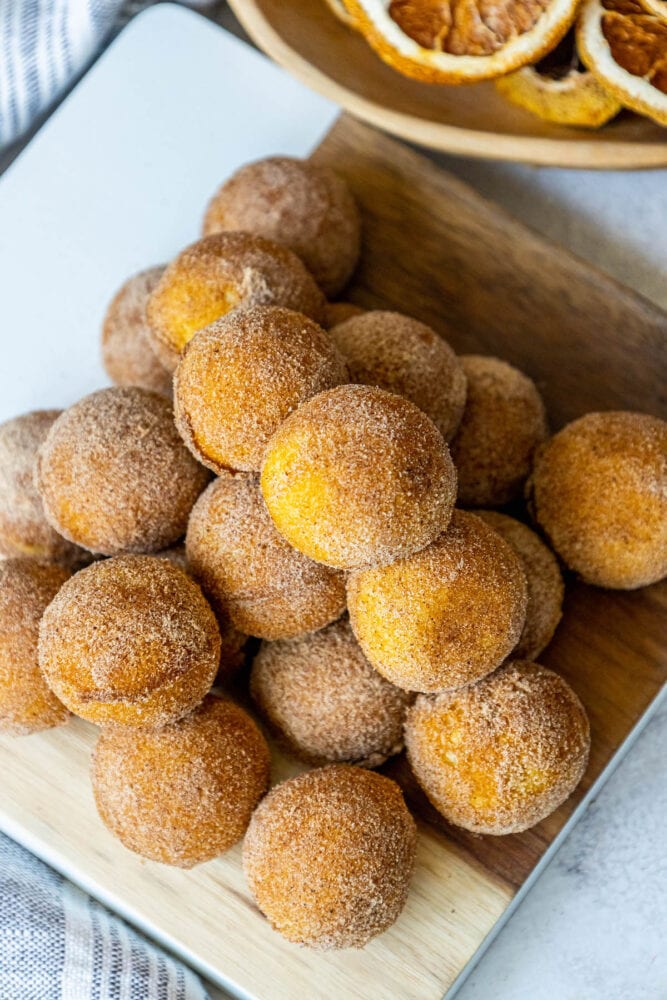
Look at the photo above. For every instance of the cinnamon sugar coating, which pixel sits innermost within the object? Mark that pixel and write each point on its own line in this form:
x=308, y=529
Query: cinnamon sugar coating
x=445, y=616
x=545, y=583
x=127, y=349
x=24, y=528
x=503, y=423
x=501, y=755
x=114, y=475
x=325, y=702
x=182, y=794
x=254, y=579
x=175, y=554
x=26, y=703
x=358, y=476
x=130, y=641
x=220, y=273
x=232, y=642
x=329, y=855
x=599, y=492
x=339, y=312
x=402, y=355
x=240, y=377
x=305, y=207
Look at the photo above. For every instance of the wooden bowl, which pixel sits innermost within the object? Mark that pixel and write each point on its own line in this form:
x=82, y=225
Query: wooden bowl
x=473, y=120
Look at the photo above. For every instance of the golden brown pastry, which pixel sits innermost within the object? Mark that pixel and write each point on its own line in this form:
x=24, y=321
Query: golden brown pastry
x=26, y=703
x=404, y=356
x=130, y=641
x=545, y=583
x=599, y=493
x=328, y=856
x=358, y=476
x=127, y=349
x=232, y=642
x=499, y=756
x=254, y=579
x=24, y=529
x=307, y=208
x=338, y=312
x=114, y=475
x=445, y=616
x=242, y=376
x=325, y=702
x=220, y=273
x=182, y=794
x=503, y=423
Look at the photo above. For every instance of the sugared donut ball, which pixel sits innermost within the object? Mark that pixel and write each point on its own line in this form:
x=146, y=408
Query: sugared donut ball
x=130, y=641
x=407, y=357
x=182, y=794
x=445, y=616
x=24, y=529
x=127, y=347
x=545, y=583
x=503, y=423
x=114, y=475
x=232, y=642
x=499, y=756
x=175, y=554
x=323, y=699
x=252, y=576
x=358, y=476
x=599, y=492
x=217, y=274
x=338, y=312
x=329, y=855
x=26, y=703
x=243, y=375
x=309, y=209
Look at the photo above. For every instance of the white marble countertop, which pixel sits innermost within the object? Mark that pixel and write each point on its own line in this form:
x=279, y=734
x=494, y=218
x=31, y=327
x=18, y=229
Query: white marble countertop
x=593, y=927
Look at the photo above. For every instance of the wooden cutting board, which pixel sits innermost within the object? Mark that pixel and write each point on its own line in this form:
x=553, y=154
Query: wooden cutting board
x=434, y=249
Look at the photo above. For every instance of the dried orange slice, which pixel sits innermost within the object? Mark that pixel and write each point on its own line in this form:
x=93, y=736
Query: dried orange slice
x=559, y=89
x=461, y=41
x=626, y=48
x=338, y=8
x=657, y=7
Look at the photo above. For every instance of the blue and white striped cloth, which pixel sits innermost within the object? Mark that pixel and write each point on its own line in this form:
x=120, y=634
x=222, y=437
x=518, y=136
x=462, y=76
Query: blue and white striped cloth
x=44, y=45
x=56, y=943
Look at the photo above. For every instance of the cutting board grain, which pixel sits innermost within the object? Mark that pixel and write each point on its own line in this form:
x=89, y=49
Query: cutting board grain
x=434, y=249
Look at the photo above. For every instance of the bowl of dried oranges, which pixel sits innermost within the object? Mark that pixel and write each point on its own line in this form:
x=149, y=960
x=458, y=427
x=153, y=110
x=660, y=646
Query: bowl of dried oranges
x=577, y=83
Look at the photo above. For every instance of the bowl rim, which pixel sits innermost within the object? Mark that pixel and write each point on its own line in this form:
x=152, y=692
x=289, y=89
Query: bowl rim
x=538, y=150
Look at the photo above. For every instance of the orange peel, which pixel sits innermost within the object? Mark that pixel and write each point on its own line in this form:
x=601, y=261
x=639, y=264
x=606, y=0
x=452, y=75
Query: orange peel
x=559, y=89
x=461, y=41
x=657, y=7
x=625, y=47
x=339, y=10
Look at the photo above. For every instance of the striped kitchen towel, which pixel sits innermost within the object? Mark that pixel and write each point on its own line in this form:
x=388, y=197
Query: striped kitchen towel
x=58, y=944
x=44, y=45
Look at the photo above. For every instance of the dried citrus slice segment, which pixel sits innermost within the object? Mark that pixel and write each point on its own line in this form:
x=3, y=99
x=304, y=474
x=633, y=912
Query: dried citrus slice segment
x=461, y=41
x=626, y=48
x=340, y=10
x=559, y=89
x=657, y=7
